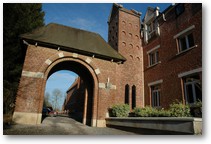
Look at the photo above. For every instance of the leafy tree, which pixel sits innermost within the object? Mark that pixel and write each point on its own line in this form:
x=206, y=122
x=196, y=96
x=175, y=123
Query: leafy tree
x=18, y=18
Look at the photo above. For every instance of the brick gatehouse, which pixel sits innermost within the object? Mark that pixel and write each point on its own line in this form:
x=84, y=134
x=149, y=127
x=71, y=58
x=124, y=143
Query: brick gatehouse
x=149, y=62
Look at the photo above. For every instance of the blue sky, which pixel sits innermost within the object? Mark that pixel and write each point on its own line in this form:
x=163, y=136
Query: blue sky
x=61, y=80
x=87, y=16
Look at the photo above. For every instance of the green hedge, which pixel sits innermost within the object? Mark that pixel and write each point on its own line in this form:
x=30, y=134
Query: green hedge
x=120, y=110
x=179, y=110
x=175, y=110
x=151, y=112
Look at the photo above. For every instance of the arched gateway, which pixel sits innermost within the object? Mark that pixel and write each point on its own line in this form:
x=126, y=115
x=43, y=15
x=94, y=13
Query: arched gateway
x=101, y=65
x=56, y=47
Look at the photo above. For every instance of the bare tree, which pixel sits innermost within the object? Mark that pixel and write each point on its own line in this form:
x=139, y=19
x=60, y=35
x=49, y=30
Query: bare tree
x=57, y=95
x=47, y=102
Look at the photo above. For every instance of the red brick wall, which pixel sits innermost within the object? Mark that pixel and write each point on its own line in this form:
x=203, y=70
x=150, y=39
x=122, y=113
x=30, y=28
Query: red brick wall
x=31, y=90
x=125, y=37
x=172, y=64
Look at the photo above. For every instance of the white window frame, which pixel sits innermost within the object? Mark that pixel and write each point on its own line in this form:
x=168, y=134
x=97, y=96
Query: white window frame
x=152, y=27
x=155, y=102
x=154, y=55
x=192, y=83
x=154, y=84
x=153, y=51
x=186, y=42
x=182, y=34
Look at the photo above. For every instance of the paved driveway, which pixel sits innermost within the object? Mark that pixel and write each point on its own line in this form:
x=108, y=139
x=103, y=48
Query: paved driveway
x=61, y=126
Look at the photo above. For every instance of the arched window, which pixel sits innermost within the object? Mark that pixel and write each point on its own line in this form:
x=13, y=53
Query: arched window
x=133, y=96
x=131, y=57
x=130, y=46
x=123, y=44
x=127, y=90
x=124, y=33
x=123, y=22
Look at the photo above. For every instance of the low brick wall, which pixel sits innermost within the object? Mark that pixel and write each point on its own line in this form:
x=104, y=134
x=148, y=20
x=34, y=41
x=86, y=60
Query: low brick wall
x=158, y=125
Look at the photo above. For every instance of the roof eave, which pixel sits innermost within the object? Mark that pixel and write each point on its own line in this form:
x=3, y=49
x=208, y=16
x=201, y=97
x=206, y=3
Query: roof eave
x=70, y=49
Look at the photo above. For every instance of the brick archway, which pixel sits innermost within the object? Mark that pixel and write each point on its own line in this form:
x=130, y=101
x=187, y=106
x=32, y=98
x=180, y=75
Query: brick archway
x=88, y=75
x=30, y=96
x=54, y=44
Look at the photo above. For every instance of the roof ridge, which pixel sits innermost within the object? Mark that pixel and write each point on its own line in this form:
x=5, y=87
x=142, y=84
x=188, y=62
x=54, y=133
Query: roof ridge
x=73, y=28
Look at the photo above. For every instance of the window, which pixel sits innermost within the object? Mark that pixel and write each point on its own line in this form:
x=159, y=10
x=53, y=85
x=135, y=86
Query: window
x=130, y=46
x=151, y=30
x=193, y=90
x=153, y=58
x=127, y=89
x=133, y=96
x=179, y=9
x=123, y=22
x=155, y=94
x=131, y=57
x=123, y=44
x=185, y=42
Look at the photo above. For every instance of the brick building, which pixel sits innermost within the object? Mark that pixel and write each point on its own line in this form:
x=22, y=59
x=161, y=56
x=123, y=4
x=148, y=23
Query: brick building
x=124, y=36
x=75, y=99
x=150, y=62
x=172, y=49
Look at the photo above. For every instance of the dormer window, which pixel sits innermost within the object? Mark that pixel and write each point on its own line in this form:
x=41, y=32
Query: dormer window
x=151, y=29
x=151, y=25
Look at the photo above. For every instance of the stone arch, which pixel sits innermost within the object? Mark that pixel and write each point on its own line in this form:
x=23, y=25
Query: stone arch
x=33, y=114
x=86, y=59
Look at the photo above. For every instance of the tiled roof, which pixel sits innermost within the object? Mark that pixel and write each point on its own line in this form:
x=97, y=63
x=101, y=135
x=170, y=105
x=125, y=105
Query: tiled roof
x=73, y=40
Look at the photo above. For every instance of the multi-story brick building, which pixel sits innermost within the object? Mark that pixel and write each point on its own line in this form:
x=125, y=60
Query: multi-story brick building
x=172, y=49
x=150, y=62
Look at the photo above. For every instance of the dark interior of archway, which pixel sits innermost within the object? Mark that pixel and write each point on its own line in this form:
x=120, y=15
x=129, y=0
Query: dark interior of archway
x=88, y=81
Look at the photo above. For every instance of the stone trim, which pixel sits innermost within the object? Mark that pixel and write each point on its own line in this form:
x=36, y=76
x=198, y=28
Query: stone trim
x=61, y=54
x=94, y=123
x=101, y=85
x=75, y=55
x=155, y=82
x=48, y=61
x=189, y=72
x=33, y=74
x=105, y=86
x=184, y=31
x=153, y=49
x=113, y=87
x=27, y=118
x=97, y=71
x=101, y=123
x=187, y=125
x=88, y=60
